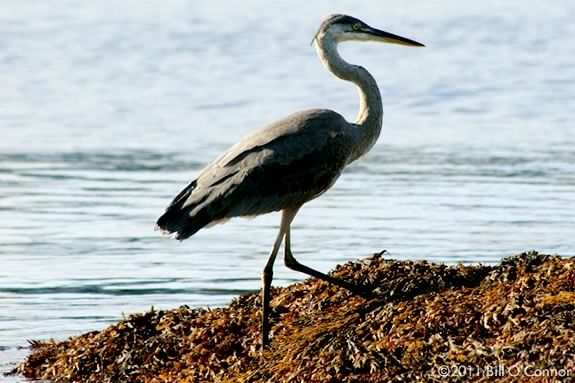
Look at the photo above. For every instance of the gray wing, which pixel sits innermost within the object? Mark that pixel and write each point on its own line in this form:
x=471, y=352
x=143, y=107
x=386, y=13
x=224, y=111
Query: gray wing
x=280, y=166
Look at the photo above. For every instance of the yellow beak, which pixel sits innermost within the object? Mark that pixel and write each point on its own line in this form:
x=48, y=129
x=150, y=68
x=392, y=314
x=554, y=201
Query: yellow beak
x=390, y=38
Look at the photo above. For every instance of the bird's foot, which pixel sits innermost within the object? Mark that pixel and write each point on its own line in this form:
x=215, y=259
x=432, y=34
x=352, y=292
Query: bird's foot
x=381, y=253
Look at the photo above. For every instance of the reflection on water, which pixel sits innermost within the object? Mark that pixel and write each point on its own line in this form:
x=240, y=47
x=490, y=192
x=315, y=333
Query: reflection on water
x=98, y=134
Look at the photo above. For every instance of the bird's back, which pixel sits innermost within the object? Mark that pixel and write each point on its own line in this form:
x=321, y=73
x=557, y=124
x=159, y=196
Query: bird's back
x=282, y=165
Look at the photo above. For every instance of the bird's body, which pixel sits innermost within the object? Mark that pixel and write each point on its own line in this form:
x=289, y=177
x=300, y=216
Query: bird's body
x=282, y=165
x=289, y=162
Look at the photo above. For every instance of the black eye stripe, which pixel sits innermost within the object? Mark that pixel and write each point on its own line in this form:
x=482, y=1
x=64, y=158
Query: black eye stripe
x=344, y=19
x=338, y=19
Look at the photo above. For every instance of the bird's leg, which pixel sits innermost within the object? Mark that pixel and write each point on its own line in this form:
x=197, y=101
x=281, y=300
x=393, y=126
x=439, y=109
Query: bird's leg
x=293, y=264
x=267, y=274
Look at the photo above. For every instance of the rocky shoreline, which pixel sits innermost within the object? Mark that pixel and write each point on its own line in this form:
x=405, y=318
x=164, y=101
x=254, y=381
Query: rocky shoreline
x=514, y=321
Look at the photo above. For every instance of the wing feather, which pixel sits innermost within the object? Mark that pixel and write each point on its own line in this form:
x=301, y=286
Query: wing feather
x=282, y=165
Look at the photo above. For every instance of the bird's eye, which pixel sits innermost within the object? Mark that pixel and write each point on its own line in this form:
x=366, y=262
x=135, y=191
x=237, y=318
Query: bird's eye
x=356, y=27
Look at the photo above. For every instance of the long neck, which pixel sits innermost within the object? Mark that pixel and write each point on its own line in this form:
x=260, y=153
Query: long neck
x=369, y=118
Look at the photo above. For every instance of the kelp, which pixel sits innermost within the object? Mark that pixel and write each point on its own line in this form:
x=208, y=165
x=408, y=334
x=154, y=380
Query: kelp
x=514, y=321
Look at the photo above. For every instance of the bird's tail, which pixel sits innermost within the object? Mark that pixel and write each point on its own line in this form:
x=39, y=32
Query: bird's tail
x=178, y=220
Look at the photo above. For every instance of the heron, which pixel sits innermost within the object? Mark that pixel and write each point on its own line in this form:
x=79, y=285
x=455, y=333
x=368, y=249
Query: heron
x=289, y=162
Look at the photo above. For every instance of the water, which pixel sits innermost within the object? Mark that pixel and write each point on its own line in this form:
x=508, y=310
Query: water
x=107, y=109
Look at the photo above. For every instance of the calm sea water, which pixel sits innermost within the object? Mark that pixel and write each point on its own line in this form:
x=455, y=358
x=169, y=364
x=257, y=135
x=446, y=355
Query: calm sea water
x=107, y=109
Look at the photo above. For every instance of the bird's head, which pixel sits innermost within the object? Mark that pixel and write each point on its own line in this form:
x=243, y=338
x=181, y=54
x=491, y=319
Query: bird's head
x=340, y=28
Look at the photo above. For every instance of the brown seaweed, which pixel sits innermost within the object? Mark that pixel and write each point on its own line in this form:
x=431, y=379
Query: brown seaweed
x=511, y=322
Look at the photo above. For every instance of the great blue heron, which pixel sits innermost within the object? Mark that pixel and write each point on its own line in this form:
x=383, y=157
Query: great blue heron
x=290, y=162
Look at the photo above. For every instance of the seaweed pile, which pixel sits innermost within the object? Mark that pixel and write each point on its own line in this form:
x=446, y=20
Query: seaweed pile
x=430, y=322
